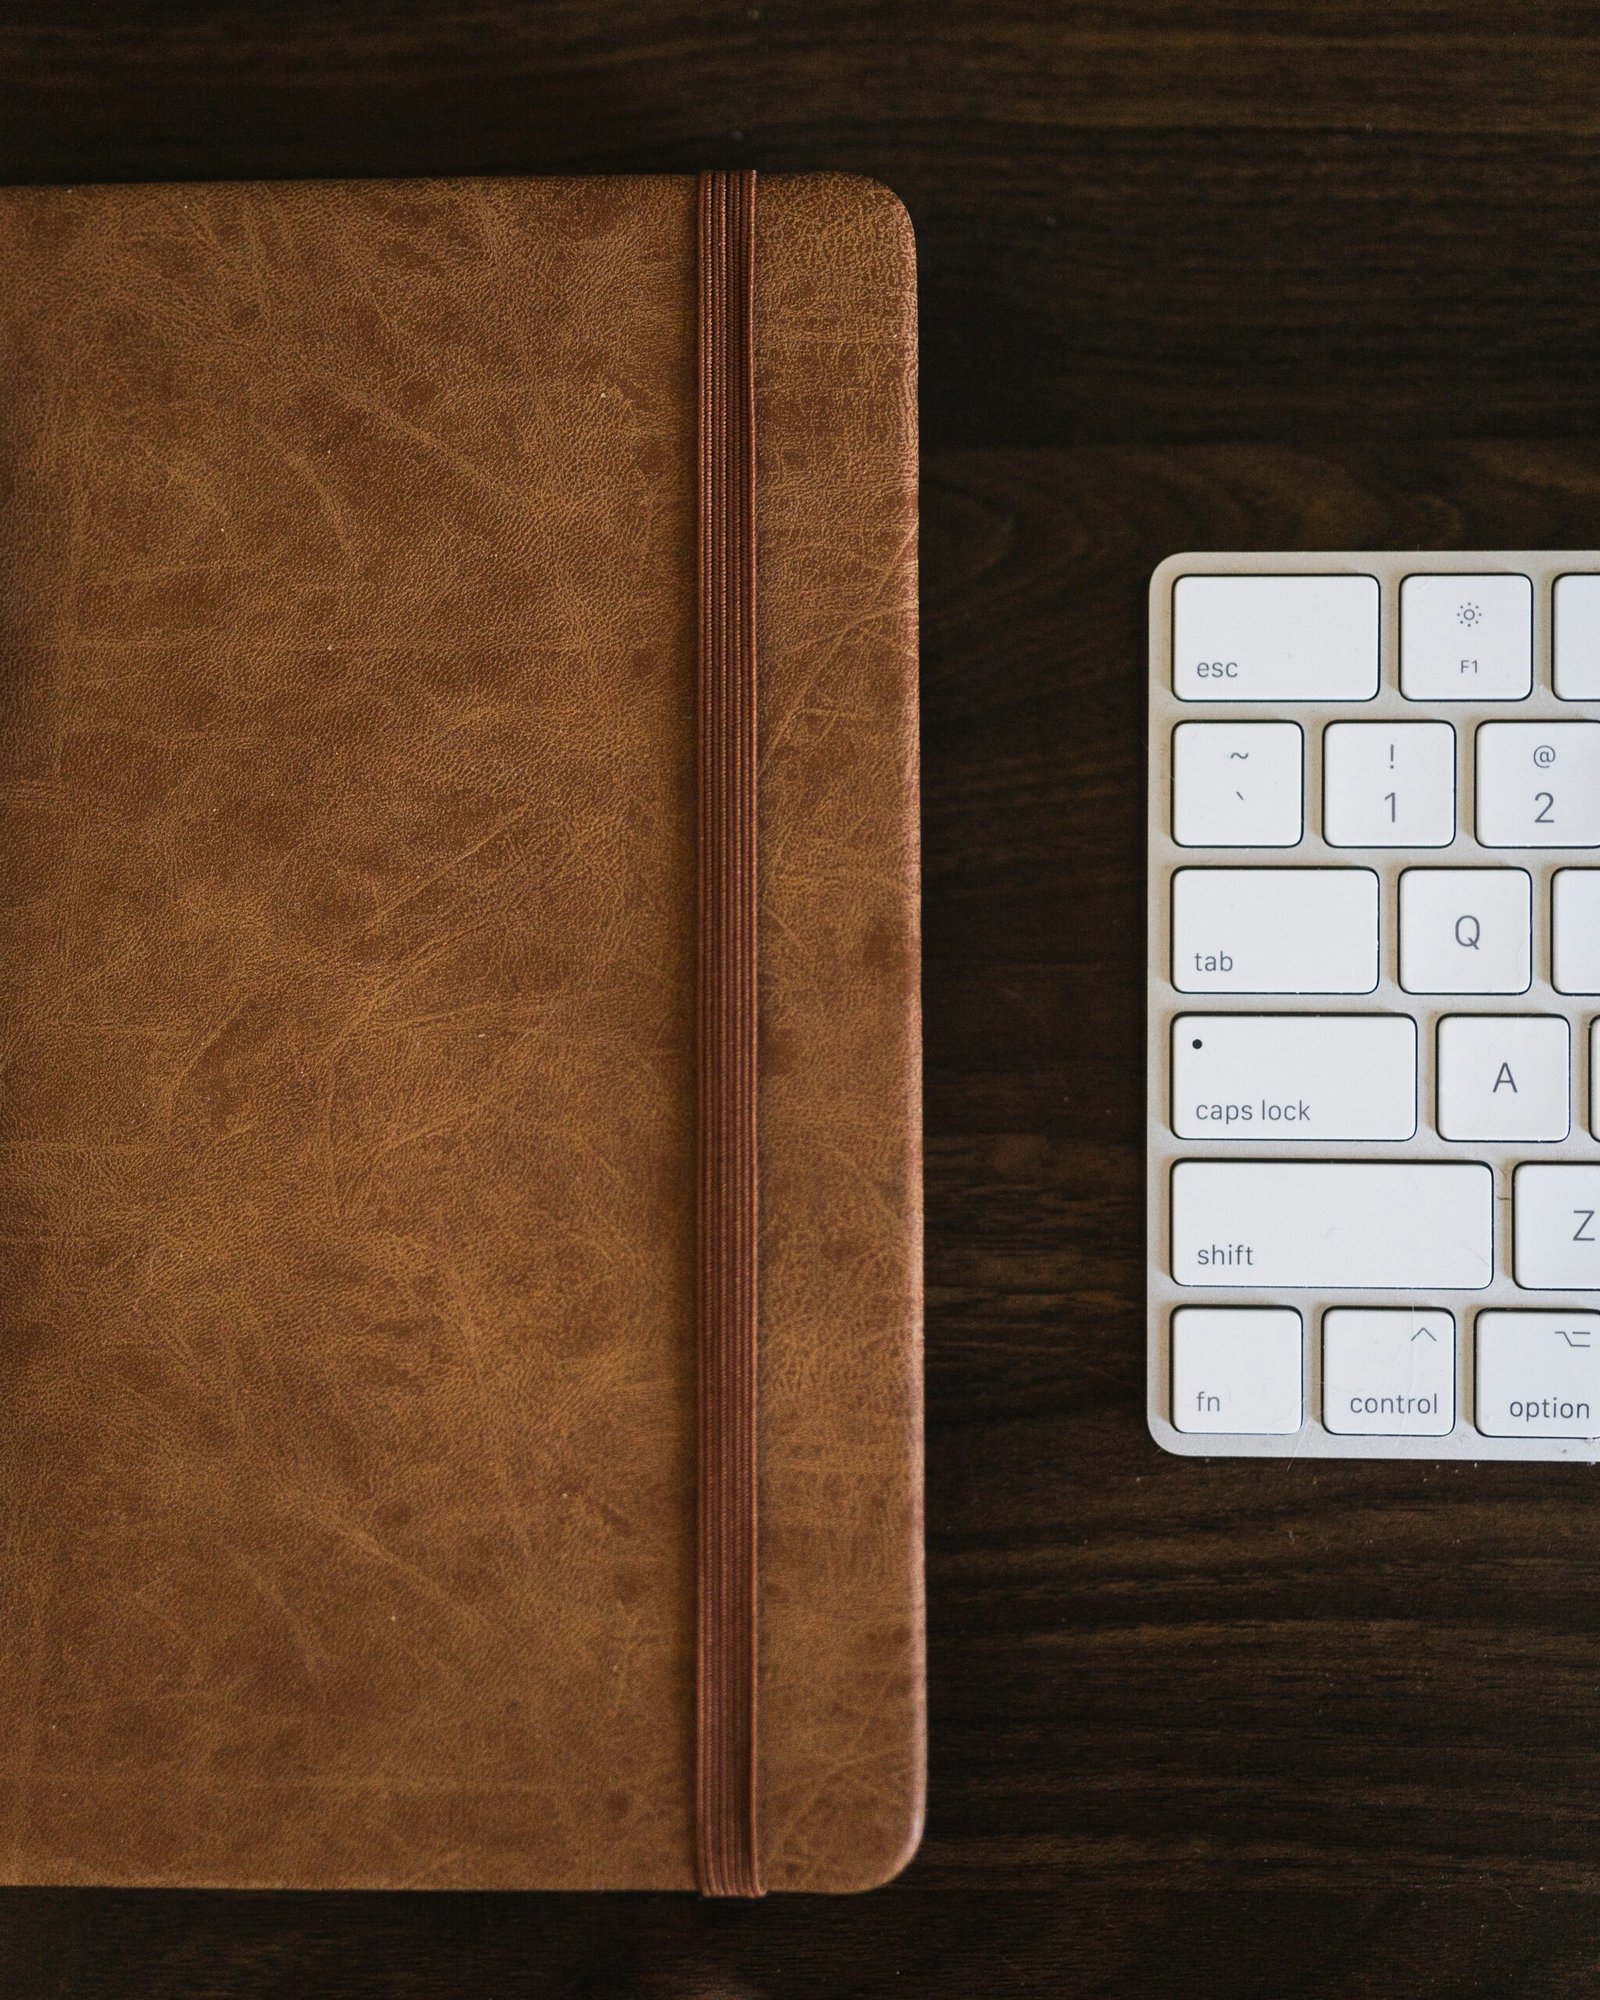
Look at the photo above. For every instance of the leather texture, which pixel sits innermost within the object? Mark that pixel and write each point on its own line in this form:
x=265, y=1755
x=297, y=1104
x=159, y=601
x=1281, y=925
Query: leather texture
x=347, y=639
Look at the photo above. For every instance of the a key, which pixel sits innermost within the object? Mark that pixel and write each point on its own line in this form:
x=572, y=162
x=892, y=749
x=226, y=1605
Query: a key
x=1275, y=930
x=1294, y=1076
x=1538, y=1374
x=1575, y=929
x=1236, y=784
x=1360, y=1225
x=1539, y=784
x=1275, y=638
x=1389, y=784
x=1575, y=604
x=1236, y=1369
x=1466, y=638
x=1504, y=1076
x=1556, y=1228
x=1466, y=930
x=1388, y=1373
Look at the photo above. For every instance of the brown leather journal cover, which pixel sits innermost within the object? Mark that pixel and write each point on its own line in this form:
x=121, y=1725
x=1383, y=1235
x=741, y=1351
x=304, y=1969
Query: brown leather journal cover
x=347, y=986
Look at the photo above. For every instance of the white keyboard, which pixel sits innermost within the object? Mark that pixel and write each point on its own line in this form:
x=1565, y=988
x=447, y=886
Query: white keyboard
x=1374, y=1013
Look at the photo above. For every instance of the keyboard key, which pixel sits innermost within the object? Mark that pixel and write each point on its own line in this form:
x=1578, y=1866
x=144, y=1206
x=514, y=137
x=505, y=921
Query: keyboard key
x=1504, y=1076
x=1389, y=784
x=1466, y=930
x=1236, y=784
x=1575, y=930
x=1275, y=930
x=1387, y=1373
x=1539, y=784
x=1594, y=1078
x=1360, y=1225
x=1275, y=638
x=1576, y=610
x=1466, y=638
x=1294, y=1076
x=1556, y=1228
x=1236, y=1369
x=1537, y=1374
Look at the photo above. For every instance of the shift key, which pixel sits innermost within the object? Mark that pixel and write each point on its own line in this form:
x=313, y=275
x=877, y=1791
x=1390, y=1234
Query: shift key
x=1337, y=1224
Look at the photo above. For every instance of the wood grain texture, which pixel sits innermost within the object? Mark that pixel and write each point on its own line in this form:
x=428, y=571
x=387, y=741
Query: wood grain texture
x=1257, y=275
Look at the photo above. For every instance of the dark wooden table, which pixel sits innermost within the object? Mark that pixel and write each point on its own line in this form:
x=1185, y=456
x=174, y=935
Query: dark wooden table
x=1270, y=275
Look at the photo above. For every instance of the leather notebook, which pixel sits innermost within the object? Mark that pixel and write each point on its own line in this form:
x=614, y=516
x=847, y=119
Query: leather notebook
x=459, y=1125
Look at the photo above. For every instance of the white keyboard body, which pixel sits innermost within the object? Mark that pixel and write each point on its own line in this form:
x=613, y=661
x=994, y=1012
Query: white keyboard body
x=1374, y=954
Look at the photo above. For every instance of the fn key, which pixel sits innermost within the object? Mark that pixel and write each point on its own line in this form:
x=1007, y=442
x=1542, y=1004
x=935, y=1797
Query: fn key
x=1236, y=1369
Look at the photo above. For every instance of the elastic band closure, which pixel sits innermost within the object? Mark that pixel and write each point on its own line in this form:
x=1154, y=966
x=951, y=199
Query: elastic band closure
x=727, y=1193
